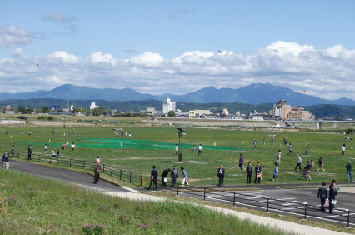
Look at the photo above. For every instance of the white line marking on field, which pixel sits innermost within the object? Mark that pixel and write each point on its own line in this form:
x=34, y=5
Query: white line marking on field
x=286, y=198
x=130, y=189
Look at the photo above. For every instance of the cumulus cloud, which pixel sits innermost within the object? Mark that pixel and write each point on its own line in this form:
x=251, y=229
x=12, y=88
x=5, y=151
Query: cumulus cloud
x=328, y=72
x=69, y=21
x=11, y=35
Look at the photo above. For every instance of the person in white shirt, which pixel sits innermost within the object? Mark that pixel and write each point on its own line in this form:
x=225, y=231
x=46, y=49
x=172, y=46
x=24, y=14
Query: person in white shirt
x=199, y=151
x=72, y=146
x=176, y=149
x=299, y=161
x=278, y=157
x=343, y=150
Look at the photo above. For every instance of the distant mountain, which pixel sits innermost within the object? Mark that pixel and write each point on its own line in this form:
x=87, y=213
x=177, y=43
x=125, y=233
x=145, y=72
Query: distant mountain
x=256, y=93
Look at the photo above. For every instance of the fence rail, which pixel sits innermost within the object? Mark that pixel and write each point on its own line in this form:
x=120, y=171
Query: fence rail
x=304, y=210
x=126, y=176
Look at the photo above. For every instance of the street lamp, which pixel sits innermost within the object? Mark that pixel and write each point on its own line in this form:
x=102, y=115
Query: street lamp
x=180, y=133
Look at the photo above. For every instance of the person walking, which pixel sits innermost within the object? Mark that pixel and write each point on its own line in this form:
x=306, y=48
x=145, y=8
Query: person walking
x=199, y=150
x=220, y=175
x=5, y=160
x=332, y=194
x=241, y=160
x=97, y=170
x=308, y=171
x=285, y=140
x=320, y=164
x=249, y=172
x=184, y=177
x=343, y=150
x=275, y=173
x=174, y=176
x=299, y=161
x=45, y=148
x=290, y=148
x=349, y=173
x=322, y=194
x=29, y=152
x=258, y=173
x=153, y=179
x=164, y=177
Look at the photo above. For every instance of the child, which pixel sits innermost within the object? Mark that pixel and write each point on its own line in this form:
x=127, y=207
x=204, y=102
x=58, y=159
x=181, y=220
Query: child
x=276, y=171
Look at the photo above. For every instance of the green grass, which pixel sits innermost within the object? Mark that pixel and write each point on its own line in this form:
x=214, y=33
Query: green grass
x=30, y=205
x=156, y=146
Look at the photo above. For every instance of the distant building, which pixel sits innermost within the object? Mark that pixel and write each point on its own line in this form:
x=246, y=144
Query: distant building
x=225, y=111
x=93, y=105
x=282, y=111
x=168, y=106
x=150, y=111
x=8, y=108
x=199, y=113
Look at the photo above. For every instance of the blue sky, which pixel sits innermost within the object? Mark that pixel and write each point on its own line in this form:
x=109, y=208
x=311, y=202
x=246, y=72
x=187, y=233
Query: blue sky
x=171, y=46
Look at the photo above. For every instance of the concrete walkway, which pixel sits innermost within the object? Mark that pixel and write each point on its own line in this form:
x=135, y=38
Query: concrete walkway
x=84, y=180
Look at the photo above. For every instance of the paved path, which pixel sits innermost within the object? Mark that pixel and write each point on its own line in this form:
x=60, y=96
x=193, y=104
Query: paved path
x=85, y=180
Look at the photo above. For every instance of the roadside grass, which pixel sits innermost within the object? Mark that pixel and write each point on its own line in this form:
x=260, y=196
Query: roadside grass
x=201, y=170
x=31, y=205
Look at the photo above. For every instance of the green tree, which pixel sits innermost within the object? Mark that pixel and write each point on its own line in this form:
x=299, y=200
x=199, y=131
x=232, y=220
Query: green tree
x=171, y=114
x=97, y=111
x=44, y=109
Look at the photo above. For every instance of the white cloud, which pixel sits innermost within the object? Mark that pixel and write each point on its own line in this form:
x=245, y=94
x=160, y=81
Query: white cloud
x=11, y=35
x=18, y=52
x=327, y=73
x=64, y=57
x=59, y=18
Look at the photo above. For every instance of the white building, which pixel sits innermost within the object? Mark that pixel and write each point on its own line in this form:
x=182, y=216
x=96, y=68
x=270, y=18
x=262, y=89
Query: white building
x=168, y=106
x=93, y=105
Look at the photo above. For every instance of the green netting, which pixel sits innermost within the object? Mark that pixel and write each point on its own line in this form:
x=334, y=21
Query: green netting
x=117, y=143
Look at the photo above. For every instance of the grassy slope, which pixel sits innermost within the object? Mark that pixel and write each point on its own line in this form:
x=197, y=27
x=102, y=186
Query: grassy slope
x=201, y=170
x=32, y=205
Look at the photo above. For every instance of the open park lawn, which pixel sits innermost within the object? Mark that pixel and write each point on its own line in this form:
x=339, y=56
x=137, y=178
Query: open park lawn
x=156, y=146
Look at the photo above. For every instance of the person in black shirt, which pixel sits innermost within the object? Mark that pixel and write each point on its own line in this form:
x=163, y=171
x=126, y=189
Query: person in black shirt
x=322, y=194
x=257, y=173
x=332, y=194
x=349, y=172
x=29, y=152
x=164, y=176
x=249, y=172
x=220, y=175
x=153, y=179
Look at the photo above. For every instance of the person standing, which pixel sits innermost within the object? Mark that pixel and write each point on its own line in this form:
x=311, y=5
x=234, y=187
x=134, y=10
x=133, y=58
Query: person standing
x=241, y=160
x=322, y=194
x=258, y=173
x=290, y=148
x=320, y=164
x=98, y=160
x=176, y=149
x=12, y=151
x=174, y=176
x=275, y=173
x=343, y=150
x=285, y=140
x=184, y=177
x=299, y=161
x=72, y=146
x=58, y=154
x=97, y=171
x=220, y=175
x=255, y=143
x=349, y=173
x=249, y=172
x=153, y=179
x=332, y=194
x=5, y=160
x=272, y=140
x=45, y=148
x=164, y=177
x=193, y=148
x=263, y=141
x=278, y=156
x=53, y=131
x=29, y=152
x=199, y=150
x=305, y=151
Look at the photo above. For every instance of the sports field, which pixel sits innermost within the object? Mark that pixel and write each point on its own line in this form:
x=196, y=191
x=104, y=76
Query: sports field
x=156, y=146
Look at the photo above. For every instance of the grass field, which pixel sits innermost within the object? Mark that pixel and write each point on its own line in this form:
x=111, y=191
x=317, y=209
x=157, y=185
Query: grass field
x=30, y=205
x=156, y=146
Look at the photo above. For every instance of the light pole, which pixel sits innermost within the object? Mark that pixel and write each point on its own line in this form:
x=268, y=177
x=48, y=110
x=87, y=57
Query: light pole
x=180, y=133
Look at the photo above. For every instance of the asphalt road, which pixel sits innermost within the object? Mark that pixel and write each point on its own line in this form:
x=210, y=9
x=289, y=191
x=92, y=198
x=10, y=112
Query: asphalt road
x=78, y=178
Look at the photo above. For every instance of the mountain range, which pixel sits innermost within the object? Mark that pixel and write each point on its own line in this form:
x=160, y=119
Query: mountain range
x=256, y=93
